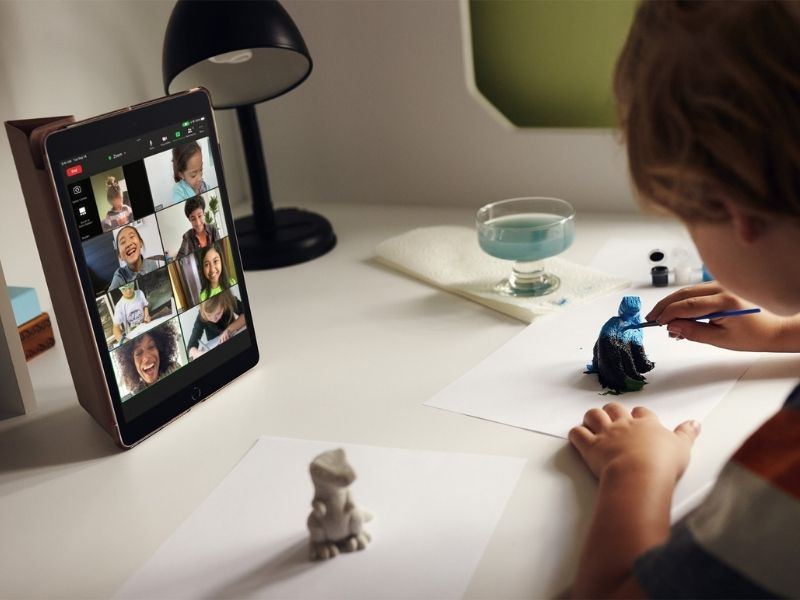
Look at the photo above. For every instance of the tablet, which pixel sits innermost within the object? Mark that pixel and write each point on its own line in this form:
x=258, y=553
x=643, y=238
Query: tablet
x=146, y=211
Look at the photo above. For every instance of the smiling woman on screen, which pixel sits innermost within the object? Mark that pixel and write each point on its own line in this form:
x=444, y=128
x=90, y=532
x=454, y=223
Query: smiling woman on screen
x=146, y=359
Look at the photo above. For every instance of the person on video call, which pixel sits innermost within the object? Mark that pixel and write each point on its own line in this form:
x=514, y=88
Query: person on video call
x=147, y=358
x=214, y=274
x=187, y=171
x=219, y=318
x=131, y=310
x=119, y=213
x=129, y=249
x=201, y=234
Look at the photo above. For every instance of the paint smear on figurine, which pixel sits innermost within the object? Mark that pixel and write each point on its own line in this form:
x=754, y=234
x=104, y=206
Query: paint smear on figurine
x=618, y=358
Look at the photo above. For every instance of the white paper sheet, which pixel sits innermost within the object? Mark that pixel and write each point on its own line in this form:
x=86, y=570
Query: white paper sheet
x=536, y=380
x=434, y=514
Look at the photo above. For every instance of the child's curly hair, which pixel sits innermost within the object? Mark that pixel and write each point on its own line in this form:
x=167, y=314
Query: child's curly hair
x=165, y=339
x=708, y=95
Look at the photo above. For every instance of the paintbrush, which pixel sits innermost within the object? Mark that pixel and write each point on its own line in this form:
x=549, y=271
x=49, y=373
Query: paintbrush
x=715, y=315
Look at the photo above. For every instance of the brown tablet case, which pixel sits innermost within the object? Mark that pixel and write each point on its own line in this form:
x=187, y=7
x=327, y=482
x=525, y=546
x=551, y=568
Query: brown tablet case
x=49, y=231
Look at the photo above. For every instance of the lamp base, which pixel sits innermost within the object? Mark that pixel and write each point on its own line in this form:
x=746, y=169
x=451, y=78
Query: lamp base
x=299, y=236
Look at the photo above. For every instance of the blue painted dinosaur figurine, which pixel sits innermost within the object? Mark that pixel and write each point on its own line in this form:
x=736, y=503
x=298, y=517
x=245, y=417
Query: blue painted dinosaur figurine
x=618, y=357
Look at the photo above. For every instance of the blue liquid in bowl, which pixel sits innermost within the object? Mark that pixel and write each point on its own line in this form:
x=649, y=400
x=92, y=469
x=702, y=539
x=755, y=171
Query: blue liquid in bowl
x=526, y=236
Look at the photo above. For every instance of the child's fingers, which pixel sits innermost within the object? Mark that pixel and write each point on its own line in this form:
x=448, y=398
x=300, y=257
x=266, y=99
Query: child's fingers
x=705, y=333
x=703, y=289
x=639, y=412
x=596, y=419
x=688, y=430
x=580, y=437
x=699, y=306
x=615, y=410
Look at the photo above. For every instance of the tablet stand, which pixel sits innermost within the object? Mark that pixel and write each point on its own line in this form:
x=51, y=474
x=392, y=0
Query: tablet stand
x=44, y=211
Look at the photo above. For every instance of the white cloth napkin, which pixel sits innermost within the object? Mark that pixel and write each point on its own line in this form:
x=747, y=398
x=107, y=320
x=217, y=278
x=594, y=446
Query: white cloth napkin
x=449, y=257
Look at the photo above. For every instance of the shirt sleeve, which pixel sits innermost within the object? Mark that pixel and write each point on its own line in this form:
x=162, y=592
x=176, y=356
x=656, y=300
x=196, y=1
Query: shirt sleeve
x=682, y=568
x=197, y=333
x=116, y=281
x=181, y=191
x=742, y=541
x=118, y=316
x=185, y=248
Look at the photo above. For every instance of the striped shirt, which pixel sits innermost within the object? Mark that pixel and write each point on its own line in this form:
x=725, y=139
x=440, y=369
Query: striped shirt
x=743, y=540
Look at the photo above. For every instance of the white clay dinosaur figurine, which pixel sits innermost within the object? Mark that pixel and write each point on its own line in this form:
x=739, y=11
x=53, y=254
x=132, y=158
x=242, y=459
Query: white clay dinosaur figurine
x=335, y=523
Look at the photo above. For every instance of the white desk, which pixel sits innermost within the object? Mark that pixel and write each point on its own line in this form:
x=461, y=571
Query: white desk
x=350, y=351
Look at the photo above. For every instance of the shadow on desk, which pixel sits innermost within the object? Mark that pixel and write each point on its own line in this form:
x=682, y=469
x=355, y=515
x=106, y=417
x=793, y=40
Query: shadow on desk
x=289, y=563
x=584, y=488
x=50, y=439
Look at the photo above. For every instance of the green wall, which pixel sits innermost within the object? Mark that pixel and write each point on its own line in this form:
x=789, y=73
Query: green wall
x=549, y=63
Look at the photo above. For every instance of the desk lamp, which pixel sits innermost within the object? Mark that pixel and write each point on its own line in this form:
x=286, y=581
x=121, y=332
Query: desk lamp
x=243, y=53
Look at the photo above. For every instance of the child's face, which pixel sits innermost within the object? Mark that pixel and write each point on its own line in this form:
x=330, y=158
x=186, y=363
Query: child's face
x=193, y=175
x=146, y=359
x=128, y=291
x=754, y=269
x=197, y=219
x=129, y=245
x=116, y=202
x=212, y=267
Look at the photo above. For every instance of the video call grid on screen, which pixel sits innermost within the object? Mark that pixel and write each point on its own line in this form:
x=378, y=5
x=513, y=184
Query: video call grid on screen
x=133, y=208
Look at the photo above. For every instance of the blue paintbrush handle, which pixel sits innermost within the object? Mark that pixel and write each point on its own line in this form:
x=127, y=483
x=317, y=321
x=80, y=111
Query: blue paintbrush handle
x=728, y=313
x=715, y=315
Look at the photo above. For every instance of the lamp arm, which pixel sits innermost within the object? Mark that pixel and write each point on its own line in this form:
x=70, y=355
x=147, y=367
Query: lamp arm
x=263, y=211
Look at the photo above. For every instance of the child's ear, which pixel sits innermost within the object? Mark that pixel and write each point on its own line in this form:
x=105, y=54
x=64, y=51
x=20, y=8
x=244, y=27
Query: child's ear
x=747, y=226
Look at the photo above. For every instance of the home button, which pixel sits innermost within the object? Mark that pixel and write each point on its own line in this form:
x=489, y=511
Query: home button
x=196, y=393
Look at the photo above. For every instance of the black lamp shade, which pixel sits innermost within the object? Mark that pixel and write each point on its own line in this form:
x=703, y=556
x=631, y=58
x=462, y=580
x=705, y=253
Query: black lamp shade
x=242, y=52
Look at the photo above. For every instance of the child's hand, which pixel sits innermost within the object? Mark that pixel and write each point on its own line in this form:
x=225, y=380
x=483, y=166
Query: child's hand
x=638, y=462
x=635, y=441
x=758, y=332
x=224, y=336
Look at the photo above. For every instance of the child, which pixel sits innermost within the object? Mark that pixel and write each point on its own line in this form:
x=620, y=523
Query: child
x=201, y=234
x=214, y=273
x=120, y=213
x=129, y=249
x=219, y=318
x=131, y=310
x=709, y=99
x=187, y=171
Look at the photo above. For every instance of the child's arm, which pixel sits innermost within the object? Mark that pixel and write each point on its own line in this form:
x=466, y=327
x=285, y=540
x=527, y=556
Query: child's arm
x=762, y=332
x=237, y=324
x=637, y=462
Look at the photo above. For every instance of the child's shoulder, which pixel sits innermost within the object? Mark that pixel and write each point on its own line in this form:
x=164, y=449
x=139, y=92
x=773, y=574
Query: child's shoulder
x=182, y=191
x=740, y=540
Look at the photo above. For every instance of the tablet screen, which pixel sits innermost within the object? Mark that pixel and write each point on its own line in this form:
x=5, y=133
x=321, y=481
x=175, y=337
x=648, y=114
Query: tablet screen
x=153, y=237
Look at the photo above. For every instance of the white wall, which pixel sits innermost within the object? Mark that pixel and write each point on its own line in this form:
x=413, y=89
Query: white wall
x=385, y=117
